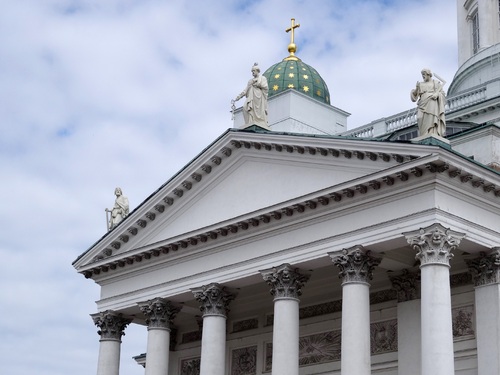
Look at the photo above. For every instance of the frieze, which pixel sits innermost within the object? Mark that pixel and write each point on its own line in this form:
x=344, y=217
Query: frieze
x=434, y=244
x=192, y=336
x=320, y=309
x=245, y=325
x=336, y=306
x=460, y=279
x=382, y=296
x=356, y=264
x=285, y=281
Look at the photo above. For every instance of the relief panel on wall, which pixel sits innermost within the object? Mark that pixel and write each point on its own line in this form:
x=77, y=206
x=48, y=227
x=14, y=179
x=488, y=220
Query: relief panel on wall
x=190, y=366
x=326, y=346
x=244, y=361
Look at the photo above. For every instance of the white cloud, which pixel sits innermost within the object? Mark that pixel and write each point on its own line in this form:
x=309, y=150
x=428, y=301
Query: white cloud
x=98, y=94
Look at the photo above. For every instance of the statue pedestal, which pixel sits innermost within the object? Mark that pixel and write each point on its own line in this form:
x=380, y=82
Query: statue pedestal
x=431, y=139
x=256, y=127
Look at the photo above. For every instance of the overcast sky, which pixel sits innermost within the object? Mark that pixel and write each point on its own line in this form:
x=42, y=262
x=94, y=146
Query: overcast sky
x=103, y=93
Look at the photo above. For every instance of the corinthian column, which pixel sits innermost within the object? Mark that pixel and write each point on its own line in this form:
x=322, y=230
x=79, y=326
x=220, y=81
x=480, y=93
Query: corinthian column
x=356, y=267
x=159, y=315
x=111, y=329
x=434, y=246
x=486, y=272
x=214, y=300
x=286, y=283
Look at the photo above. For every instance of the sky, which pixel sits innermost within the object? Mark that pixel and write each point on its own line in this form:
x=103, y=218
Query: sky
x=96, y=94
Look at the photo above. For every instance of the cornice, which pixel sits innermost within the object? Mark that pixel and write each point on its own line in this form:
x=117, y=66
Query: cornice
x=408, y=169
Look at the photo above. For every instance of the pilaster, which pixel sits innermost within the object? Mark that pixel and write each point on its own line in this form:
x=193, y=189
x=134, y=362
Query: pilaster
x=407, y=286
x=486, y=272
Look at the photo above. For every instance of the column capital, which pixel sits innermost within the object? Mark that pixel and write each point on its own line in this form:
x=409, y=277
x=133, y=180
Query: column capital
x=159, y=313
x=285, y=281
x=434, y=244
x=356, y=264
x=407, y=285
x=214, y=299
x=111, y=324
x=485, y=269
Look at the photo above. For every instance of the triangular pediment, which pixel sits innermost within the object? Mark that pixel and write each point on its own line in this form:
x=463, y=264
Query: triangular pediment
x=253, y=181
x=240, y=175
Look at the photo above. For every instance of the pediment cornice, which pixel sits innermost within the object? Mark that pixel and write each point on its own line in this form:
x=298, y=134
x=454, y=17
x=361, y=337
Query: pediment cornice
x=402, y=166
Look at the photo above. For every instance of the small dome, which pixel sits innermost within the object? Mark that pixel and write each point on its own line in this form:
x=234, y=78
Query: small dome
x=296, y=75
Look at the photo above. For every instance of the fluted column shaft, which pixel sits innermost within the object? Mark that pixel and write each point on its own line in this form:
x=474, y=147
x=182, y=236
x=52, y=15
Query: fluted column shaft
x=356, y=266
x=159, y=314
x=111, y=328
x=434, y=247
x=214, y=300
x=486, y=271
x=286, y=283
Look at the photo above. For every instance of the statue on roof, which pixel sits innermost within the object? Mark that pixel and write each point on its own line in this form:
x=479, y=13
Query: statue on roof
x=430, y=105
x=255, y=107
x=119, y=211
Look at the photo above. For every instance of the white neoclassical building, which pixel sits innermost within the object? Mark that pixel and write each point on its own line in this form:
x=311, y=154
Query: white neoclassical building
x=311, y=250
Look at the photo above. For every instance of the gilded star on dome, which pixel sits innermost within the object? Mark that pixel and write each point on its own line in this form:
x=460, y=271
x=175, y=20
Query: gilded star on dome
x=305, y=88
x=290, y=86
x=291, y=67
x=318, y=93
x=305, y=76
x=291, y=75
x=275, y=87
x=276, y=76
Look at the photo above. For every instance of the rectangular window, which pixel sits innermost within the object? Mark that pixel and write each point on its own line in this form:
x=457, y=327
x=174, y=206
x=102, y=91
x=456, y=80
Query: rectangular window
x=475, y=32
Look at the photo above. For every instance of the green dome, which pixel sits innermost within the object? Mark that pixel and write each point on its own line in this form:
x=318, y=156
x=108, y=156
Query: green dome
x=296, y=75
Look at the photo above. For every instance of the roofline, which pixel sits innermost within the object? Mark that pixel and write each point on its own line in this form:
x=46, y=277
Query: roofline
x=254, y=130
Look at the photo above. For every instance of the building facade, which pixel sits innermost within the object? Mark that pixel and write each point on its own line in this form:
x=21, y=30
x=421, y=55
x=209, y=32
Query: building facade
x=311, y=250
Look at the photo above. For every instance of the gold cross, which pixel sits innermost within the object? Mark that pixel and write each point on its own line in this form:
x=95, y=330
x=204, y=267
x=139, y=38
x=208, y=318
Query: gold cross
x=292, y=29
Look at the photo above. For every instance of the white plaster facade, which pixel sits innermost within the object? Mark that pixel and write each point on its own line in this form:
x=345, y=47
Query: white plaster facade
x=392, y=189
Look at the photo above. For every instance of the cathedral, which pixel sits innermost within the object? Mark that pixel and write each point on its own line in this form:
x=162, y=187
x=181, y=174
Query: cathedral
x=301, y=247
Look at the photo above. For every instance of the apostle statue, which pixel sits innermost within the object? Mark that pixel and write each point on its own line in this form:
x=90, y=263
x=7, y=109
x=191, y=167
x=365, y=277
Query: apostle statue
x=255, y=107
x=430, y=105
x=119, y=211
